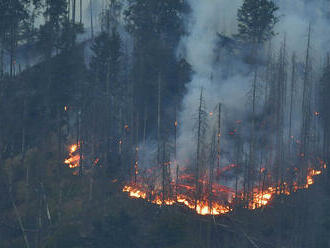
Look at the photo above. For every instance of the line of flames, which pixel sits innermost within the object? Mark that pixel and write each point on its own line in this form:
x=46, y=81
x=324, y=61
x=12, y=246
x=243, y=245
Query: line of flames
x=204, y=207
x=201, y=207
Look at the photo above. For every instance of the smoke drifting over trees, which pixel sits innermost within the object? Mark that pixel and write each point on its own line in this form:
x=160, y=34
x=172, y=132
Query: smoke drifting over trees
x=214, y=113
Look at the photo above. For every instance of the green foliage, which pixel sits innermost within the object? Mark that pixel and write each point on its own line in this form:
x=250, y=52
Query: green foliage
x=105, y=61
x=110, y=16
x=58, y=32
x=168, y=231
x=68, y=35
x=32, y=110
x=16, y=26
x=56, y=12
x=150, y=19
x=12, y=13
x=256, y=20
x=67, y=236
x=116, y=231
x=67, y=76
x=156, y=27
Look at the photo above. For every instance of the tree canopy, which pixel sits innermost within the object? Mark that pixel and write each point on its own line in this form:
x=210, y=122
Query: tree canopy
x=256, y=20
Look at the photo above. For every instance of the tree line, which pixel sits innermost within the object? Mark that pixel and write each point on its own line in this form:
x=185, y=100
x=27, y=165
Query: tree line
x=110, y=93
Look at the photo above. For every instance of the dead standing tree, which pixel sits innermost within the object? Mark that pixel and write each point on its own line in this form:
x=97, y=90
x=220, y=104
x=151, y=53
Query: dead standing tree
x=279, y=108
x=256, y=20
x=219, y=136
x=201, y=129
x=306, y=106
x=292, y=102
x=214, y=160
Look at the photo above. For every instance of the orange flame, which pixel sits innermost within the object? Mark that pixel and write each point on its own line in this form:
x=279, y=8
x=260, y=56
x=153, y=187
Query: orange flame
x=74, y=159
x=259, y=197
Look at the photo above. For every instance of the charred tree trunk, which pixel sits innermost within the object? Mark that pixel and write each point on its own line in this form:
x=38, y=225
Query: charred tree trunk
x=199, y=147
x=292, y=100
x=306, y=107
x=279, y=115
x=136, y=165
x=163, y=164
x=160, y=142
x=176, y=164
x=219, y=136
x=159, y=118
x=80, y=142
x=252, y=152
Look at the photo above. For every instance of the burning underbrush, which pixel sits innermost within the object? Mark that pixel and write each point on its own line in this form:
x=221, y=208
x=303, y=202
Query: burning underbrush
x=216, y=199
x=203, y=207
x=75, y=158
x=205, y=194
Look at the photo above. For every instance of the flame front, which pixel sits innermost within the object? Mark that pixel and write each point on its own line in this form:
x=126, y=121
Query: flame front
x=201, y=207
x=134, y=192
x=260, y=197
x=73, y=159
x=214, y=199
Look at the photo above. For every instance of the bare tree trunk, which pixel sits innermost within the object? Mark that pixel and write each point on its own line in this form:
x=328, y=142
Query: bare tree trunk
x=23, y=140
x=74, y=11
x=280, y=93
x=46, y=202
x=136, y=164
x=91, y=182
x=219, y=136
x=238, y=151
x=326, y=133
x=80, y=143
x=12, y=50
x=252, y=160
x=176, y=164
x=91, y=12
x=2, y=61
x=69, y=9
x=306, y=105
x=39, y=219
x=163, y=164
x=81, y=12
x=293, y=87
x=158, y=121
x=145, y=124
x=60, y=157
x=198, y=151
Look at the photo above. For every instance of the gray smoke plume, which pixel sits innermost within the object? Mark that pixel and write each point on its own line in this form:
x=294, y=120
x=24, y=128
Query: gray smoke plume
x=206, y=21
x=212, y=17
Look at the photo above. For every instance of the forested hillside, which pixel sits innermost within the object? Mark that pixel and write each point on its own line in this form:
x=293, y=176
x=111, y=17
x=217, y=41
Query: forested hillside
x=164, y=123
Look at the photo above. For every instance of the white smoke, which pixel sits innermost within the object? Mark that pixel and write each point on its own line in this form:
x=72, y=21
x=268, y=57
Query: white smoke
x=295, y=17
x=206, y=21
x=209, y=17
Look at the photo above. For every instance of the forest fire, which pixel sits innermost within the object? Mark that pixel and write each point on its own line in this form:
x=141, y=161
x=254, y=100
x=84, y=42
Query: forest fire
x=74, y=157
x=222, y=200
x=209, y=198
x=134, y=192
x=201, y=207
